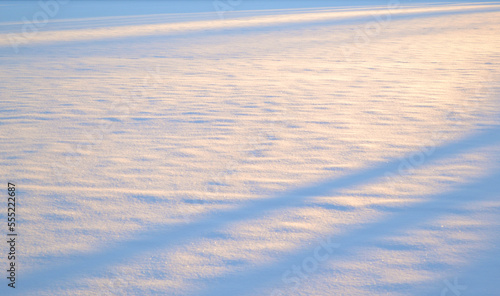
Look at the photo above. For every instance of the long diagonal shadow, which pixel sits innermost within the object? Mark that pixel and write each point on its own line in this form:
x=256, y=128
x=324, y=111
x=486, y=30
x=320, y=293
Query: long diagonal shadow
x=168, y=236
x=260, y=28
x=249, y=281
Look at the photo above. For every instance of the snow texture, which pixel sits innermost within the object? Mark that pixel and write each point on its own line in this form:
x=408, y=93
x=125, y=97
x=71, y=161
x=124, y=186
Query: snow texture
x=239, y=147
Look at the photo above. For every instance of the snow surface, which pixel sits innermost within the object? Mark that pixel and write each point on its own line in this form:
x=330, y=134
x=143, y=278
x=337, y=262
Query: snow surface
x=277, y=148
